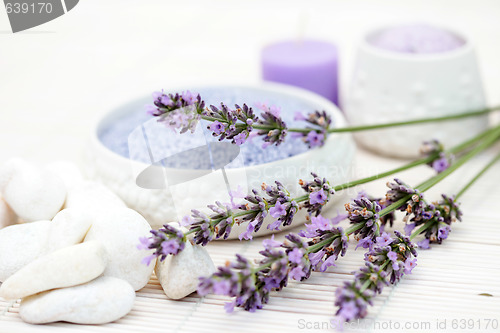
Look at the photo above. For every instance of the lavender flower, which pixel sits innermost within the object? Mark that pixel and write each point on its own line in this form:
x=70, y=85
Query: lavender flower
x=351, y=301
x=217, y=127
x=384, y=239
x=441, y=164
x=234, y=125
x=285, y=207
x=431, y=147
x=442, y=161
x=205, y=227
x=392, y=257
x=399, y=190
x=237, y=280
x=383, y=203
x=315, y=139
x=437, y=218
x=178, y=112
x=165, y=241
x=318, y=123
x=364, y=213
x=387, y=263
x=319, y=191
x=277, y=129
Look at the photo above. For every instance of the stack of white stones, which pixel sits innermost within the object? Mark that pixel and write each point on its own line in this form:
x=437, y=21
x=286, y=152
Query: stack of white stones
x=68, y=248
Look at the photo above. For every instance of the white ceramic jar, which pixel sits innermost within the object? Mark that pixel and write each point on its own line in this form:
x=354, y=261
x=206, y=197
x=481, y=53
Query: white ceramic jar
x=194, y=189
x=388, y=86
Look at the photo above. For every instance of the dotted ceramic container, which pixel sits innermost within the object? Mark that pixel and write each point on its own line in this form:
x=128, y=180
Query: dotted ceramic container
x=389, y=86
x=187, y=189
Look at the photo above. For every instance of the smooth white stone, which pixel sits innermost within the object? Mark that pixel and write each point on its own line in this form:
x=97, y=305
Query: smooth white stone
x=65, y=267
x=119, y=229
x=20, y=244
x=10, y=168
x=69, y=227
x=93, y=196
x=178, y=275
x=68, y=171
x=35, y=194
x=7, y=215
x=99, y=301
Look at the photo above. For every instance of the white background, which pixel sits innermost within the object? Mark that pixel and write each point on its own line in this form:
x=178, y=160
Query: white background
x=57, y=77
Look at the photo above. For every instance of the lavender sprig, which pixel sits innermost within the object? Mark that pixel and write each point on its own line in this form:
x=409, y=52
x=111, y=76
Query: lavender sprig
x=177, y=111
x=319, y=190
x=386, y=264
x=295, y=259
x=399, y=190
x=165, y=241
x=435, y=221
x=183, y=112
x=364, y=214
x=275, y=201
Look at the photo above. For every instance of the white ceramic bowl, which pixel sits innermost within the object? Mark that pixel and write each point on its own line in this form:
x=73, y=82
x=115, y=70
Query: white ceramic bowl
x=390, y=86
x=194, y=189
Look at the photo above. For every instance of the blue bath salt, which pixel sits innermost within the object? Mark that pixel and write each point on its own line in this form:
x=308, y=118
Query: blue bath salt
x=140, y=137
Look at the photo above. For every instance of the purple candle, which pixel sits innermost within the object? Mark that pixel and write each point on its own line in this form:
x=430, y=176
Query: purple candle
x=311, y=65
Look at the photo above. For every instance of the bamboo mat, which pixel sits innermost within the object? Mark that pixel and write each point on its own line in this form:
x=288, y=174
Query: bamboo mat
x=442, y=294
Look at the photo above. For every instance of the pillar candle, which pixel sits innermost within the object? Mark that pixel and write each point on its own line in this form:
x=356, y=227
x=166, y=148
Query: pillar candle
x=308, y=64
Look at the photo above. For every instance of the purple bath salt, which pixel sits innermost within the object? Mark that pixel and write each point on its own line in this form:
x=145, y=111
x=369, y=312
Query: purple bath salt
x=416, y=38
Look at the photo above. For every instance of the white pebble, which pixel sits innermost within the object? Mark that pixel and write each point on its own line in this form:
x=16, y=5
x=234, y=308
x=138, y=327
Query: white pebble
x=10, y=168
x=100, y=301
x=20, y=244
x=68, y=171
x=7, y=215
x=35, y=194
x=66, y=267
x=119, y=229
x=178, y=275
x=69, y=227
x=94, y=196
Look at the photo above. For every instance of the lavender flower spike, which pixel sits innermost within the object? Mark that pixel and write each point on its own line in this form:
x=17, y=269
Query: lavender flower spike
x=364, y=213
x=319, y=191
x=318, y=123
x=435, y=148
x=387, y=263
x=437, y=218
x=165, y=241
x=178, y=112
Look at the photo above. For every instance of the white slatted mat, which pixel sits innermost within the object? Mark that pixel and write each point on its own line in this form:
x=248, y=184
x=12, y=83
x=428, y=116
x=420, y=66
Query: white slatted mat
x=444, y=286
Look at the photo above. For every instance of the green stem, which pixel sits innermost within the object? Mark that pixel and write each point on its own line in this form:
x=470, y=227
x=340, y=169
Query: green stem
x=421, y=229
x=365, y=286
x=478, y=175
x=416, y=121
